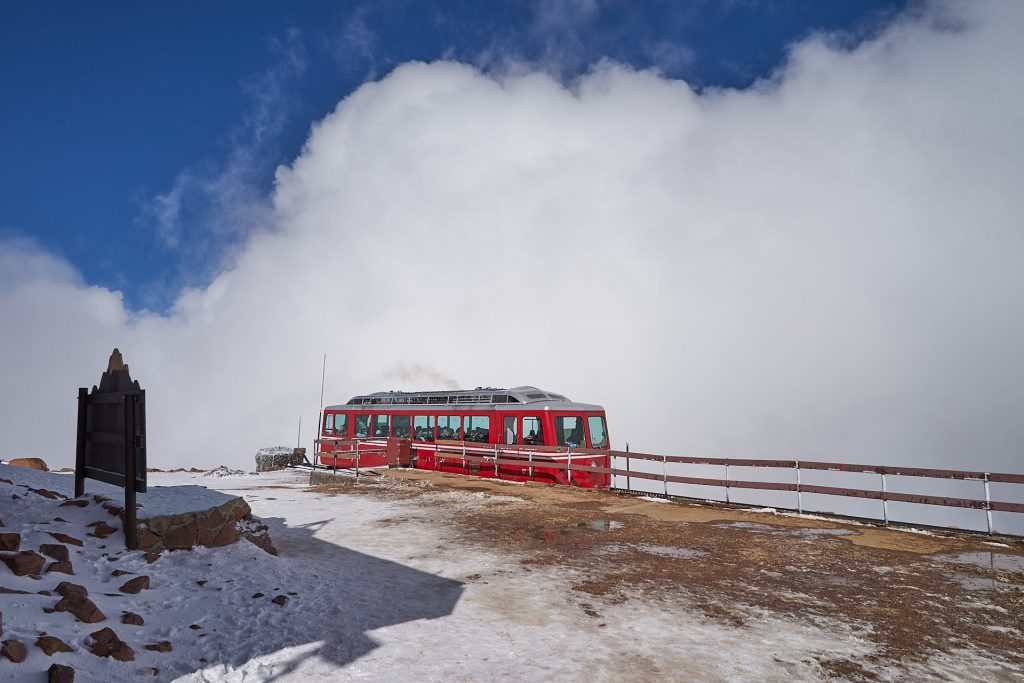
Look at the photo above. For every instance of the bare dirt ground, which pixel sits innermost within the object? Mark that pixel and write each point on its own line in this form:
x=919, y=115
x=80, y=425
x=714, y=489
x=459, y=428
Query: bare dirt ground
x=913, y=595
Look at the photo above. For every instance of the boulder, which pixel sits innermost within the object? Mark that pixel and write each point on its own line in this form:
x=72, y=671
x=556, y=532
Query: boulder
x=64, y=538
x=278, y=457
x=66, y=588
x=51, y=644
x=14, y=650
x=135, y=585
x=105, y=643
x=162, y=646
x=10, y=541
x=82, y=607
x=132, y=619
x=62, y=567
x=56, y=551
x=59, y=673
x=30, y=463
x=25, y=563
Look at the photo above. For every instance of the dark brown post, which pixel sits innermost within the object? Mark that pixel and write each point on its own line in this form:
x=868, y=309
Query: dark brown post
x=83, y=407
x=131, y=539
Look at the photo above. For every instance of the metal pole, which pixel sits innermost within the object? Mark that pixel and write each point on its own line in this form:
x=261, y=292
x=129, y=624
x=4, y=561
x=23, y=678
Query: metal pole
x=357, y=459
x=529, y=458
x=83, y=406
x=799, y=495
x=727, y=483
x=664, y=472
x=131, y=537
x=885, y=503
x=465, y=465
x=497, y=474
x=988, y=504
x=568, y=464
x=628, y=487
x=298, y=439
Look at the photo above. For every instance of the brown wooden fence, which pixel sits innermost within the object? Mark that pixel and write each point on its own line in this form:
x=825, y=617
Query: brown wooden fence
x=580, y=460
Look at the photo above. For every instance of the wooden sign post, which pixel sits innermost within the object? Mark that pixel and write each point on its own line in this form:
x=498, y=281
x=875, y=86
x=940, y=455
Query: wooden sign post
x=111, y=445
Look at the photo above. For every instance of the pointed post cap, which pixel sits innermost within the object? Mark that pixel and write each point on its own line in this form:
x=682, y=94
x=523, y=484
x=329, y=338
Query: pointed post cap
x=116, y=362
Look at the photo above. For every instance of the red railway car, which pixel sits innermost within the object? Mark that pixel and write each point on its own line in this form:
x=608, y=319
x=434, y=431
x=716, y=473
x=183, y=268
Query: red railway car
x=520, y=434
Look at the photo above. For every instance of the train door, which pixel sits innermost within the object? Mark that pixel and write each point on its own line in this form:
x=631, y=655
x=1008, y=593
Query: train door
x=510, y=430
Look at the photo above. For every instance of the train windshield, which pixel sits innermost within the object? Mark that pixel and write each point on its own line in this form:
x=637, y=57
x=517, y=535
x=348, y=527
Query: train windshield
x=598, y=432
x=362, y=426
x=533, y=431
x=569, y=430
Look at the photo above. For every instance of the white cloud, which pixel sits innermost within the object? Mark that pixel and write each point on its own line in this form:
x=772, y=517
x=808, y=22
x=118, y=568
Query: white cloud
x=824, y=266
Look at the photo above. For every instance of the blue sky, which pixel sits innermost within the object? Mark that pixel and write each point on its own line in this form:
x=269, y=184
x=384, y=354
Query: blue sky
x=109, y=106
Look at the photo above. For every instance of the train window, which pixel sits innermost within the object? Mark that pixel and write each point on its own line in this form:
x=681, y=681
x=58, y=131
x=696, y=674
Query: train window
x=401, y=429
x=533, y=431
x=341, y=424
x=362, y=426
x=448, y=427
x=569, y=431
x=476, y=428
x=511, y=435
x=380, y=425
x=329, y=423
x=598, y=432
x=423, y=427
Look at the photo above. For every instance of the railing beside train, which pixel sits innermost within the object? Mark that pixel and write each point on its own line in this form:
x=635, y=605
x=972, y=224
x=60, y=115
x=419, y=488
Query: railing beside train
x=527, y=458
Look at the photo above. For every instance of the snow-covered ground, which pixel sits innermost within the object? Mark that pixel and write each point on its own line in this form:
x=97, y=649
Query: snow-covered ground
x=383, y=589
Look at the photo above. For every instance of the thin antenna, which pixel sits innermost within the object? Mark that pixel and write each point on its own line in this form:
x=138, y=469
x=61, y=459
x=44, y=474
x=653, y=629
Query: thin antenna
x=298, y=441
x=320, y=423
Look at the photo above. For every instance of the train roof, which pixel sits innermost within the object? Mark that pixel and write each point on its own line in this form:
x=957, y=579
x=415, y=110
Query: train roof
x=481, y=397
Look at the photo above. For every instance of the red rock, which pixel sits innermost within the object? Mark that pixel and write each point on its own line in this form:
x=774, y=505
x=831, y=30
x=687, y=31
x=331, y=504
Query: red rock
x=59, y=673
x=151, y=557
x=64, y=538
x=135, y=585
x=103, y=530
x=10, y=541
x=226, y=536
x=46, y=493
x=280, y=600
x=132, y=619
x=51, y=644
x=147, y=540
x=57, y=551
x=62, y=567
x=120, y=572
x=29, y=463
x=105, y=643
x=162, y=646
x=14, y=650
x=181, y=537
x=75, y=502
x=66, y=588
x=82, y=607
x=211, y=520
x=25, y=563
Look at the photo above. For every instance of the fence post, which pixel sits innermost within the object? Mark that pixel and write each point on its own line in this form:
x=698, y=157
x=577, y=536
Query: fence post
x=727, y=483
x=799, y=496
x=465, y=465
x=568, y=463
x=357, y=460
x=988, y=505
x=529, y=458
x=80, y=443
x=664, y=472
x=497, y=475
x=885, y=503
x=628, y=487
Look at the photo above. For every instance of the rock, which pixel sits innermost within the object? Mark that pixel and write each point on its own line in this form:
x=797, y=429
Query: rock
x=151, y=557
x=66, y=588
x=25, y=563
x=277, y=457
x=64, y=538
x=82, y=607
x=105, y=643
x=57, y=551
x=135, y=585
x=10, y=541
x=46, y=493
x=280, y=600
x=147, y=539
x=14, y=650
x=75, y=502
x=257, y=595
x=162, y=646
x=103, y=530
x=180, y=537
x=226, y=536
x=62, y=567
x=132, y=619
x=195, y=627
x=120, y=572
x=51, y=644
x=29, y=463
x=59, y=673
